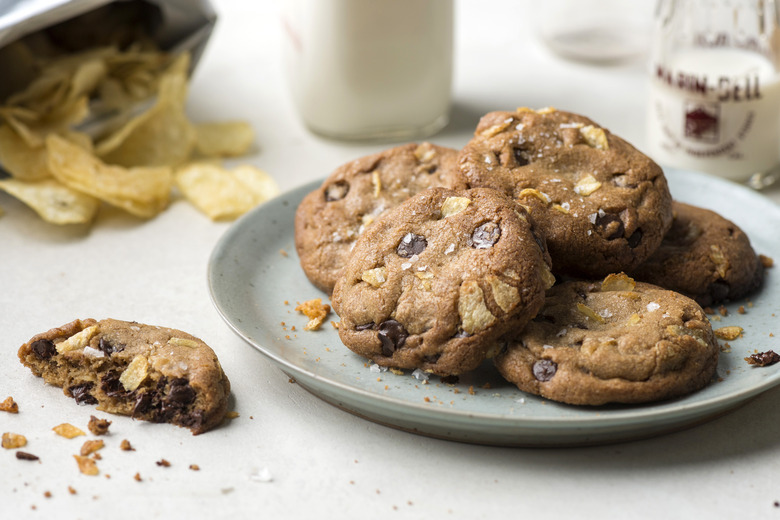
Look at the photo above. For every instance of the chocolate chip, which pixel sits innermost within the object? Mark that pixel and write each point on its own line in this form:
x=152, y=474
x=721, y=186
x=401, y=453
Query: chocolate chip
x=485, y=235
x=411, y=245
x=611, y=226
x=635, y=238
x=44, y=348
x=336, y=191
x=180, y=392
x=392, y=335
x=81, y=393
x=365, y=326
x=544, y=318
x=109, y=348
x=763, y=359
x=111, y=386
x=143, y=403
x=23, y=455
x=521, y=156
x=545, y=369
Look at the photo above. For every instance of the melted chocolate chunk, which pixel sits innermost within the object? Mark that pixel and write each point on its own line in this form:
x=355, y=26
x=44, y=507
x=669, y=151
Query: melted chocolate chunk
x=763, y=359
x=610, y=225
x=521, y=156
x=336, y=191
x=635, y=239
x=545, y=369
x=485, y=236
x=81, y=393
x=180, y=393
x=392, y=335
x=111, y=386
x=109, y=348
x=44, y=348
x=411, y=245
x=143, y=403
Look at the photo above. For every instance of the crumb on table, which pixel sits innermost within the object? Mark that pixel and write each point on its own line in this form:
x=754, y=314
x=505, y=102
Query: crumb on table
x=315, y=310
x=763, y=359
x=98, y=426
x=9, y=405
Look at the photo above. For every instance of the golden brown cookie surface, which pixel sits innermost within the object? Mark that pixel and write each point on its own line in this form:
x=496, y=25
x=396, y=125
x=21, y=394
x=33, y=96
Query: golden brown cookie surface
x=704, y=256
x=433, y=283
x=602, y=205
x=615, y=341
x=331, y=218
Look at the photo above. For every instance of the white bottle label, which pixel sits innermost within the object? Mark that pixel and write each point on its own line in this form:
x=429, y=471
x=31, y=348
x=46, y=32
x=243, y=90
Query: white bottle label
x=715, y=110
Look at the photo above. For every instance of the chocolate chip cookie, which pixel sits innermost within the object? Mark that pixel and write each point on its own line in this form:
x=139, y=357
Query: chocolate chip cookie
x=433, y=283
x=602, y=205
x=151, y=373
x=331, y=218
x=616, y=341
x=704, y=256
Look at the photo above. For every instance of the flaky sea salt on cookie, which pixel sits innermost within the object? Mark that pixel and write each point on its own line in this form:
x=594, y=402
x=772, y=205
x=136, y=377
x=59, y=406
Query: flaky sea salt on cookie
x=151, y=373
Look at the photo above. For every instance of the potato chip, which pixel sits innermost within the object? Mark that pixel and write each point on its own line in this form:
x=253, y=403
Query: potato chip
x=228, y=139
x=143, y=192
x=53, y=201
x=161, y=136
x=20, y=159
x=224, y=194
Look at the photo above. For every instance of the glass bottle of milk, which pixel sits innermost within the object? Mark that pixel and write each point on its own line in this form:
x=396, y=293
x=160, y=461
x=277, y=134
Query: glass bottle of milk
x=370, y=69
x=715, y=88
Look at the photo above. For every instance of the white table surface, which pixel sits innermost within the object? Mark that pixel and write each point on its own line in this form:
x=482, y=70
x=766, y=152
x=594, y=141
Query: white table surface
x=323, y=461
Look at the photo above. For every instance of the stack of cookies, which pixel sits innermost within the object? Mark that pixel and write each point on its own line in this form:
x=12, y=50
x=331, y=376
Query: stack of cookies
x=515, y=248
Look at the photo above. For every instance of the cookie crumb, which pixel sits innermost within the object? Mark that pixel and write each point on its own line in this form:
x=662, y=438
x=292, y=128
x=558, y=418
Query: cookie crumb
x=47, y=494
x=729, y=333
x=137, y=477
x=763, y=359
x=9, y=405
x=164, y=463
x=71, y=490
x=126, y=446
x=67, y=430
x=232, y=415
x=316, y=311
x=708, y=310
x=13, y=440
x=283, y=252
x=741, y=309
x=766, y=261
x=90, y=447
x=292, y=380
x=23, y=455
x=98, y=426
x=194, y=467
x=471, y=390
x=723, y=311
x=87, y=466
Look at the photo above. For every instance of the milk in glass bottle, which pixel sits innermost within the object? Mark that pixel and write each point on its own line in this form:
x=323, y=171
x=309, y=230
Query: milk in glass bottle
x=715, y=89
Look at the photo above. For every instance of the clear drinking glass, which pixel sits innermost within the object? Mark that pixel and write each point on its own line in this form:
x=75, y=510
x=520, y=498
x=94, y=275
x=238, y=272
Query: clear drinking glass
x=715, y=89
x=370, y=69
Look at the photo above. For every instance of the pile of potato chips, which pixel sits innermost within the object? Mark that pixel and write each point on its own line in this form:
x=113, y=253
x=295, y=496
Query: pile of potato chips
x=144, y=148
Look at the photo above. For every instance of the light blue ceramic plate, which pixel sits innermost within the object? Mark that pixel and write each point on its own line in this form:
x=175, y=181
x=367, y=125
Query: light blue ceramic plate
x=255, y=282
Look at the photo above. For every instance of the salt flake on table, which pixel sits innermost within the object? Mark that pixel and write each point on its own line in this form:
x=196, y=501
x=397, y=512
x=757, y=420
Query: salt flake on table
x=261, y=475
x=377, y=368
x=420, y=375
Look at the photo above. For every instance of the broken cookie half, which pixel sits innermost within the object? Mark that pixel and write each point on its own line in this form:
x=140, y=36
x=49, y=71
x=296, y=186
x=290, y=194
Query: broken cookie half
x=150, y=373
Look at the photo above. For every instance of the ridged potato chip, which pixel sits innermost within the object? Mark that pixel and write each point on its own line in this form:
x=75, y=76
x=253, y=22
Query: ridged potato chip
x=53, y=201
x=224, y=194
x=141, y=191
x=160, y=136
